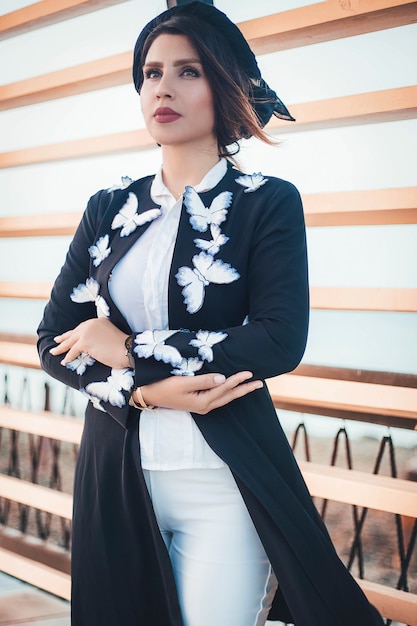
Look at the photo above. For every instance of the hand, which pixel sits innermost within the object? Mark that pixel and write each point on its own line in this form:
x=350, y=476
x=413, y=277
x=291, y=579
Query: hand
x=99, y=338
x=199, y=394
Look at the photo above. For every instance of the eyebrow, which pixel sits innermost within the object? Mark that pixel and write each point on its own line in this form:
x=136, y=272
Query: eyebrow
x=176, y=63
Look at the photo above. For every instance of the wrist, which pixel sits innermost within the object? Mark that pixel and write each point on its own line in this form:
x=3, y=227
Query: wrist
x=138, y=402
x=129, y=351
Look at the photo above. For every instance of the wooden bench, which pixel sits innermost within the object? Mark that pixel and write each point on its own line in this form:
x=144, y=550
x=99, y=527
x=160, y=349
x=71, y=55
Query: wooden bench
x=353, y=487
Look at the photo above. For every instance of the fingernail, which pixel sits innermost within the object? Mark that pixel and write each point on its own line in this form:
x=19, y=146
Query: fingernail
x=219, y=378
x=259, y=385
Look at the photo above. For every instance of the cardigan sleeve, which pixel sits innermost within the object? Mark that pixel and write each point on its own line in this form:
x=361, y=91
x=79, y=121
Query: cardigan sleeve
x=273, y=339
x=75, y=297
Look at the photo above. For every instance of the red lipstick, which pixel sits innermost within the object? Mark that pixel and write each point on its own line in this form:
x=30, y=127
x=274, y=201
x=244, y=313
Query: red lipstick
x=165, y=114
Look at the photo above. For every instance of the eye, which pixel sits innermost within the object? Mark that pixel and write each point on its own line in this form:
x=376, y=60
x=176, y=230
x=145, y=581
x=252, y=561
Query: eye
x=191, y=71
x=152, y=73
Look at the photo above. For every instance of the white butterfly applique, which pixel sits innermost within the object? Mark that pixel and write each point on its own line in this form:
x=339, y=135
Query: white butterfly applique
x=218, y=239
x=204, y=341
x=100, y=250
x=128, y=219
x=188, y=367
x=94, y=401
x=206, y=270
x=89, y=292
x=252, y=182
x=151, y=343
x=126, y=181
x=81, y=363
x=200, y=216
x=111, y=389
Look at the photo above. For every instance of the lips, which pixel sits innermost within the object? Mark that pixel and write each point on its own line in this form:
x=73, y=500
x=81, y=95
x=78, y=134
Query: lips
x=165, y=114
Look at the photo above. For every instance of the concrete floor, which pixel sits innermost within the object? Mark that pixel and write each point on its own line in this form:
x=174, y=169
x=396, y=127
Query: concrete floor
x=24, y=605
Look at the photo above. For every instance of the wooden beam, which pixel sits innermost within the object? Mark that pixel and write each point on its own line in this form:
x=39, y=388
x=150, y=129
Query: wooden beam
x=107, y=72
x=47, y=12
x=36, y=496
x=380, y=493
x=323, y=396
x=364, y=299
x=367, y=108
x=19, y=354
x=40, y=225
x=42, y=424
x=330, y=298
x=364, y=207
x=37, y=290
x=388, y=105
x=324, y=21
x=36, y=574
x=344, y=208
x=129, y=141
x=400, y=606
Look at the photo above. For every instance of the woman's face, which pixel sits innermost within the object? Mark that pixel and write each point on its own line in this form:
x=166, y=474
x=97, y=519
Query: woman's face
x=176, y=98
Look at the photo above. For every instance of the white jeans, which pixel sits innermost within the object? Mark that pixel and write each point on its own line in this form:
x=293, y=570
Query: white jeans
x=222, y=572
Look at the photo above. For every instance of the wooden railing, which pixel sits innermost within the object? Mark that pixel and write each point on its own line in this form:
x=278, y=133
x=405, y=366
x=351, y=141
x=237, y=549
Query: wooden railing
x=379, y=397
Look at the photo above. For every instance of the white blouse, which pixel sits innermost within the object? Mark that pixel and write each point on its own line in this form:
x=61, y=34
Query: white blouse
x=169, y=439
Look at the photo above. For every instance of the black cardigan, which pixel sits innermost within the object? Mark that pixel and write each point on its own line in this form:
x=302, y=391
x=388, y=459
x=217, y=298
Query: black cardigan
x=251, y=285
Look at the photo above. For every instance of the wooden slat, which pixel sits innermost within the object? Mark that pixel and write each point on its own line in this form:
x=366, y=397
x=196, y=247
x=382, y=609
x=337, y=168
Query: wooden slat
x=345, y=208
x=389, y=105
x=381, y=493
x=345, y=397
x=378, y=377
x=47, y=12
x=328, y=298
x=364, y=299
x=392, y=603
x=42, y=424
x=324, y=21
x=20, y=354
x=35, y=548
x=129, y=141
x=40, y=225
x=380, y=106
x=364, y=207
x=36, y=574
x=111, y=71
x=36, y=496
x=29, y=290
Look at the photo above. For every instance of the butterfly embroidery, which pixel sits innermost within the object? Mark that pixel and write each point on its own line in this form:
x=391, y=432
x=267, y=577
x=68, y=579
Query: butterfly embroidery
x=128, y=219
x=151, y=343
x=206, y=270
x=81, y=363
x=100, y=250
x=204, y=341
x=126, y=181
x=252, y=182
x=188, y=367
x=89, y=292
x=200, y=216
x=218, y=239
x=94, y=401
x=111, y=389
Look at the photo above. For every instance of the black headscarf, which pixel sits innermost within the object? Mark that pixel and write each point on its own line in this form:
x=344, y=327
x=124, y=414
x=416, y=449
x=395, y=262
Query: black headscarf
x=263, y=99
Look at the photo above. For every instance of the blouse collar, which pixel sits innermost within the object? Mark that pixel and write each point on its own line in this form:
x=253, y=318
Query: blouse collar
x=210, y=180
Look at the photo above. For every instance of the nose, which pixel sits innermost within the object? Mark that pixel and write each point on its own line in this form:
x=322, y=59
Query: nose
x=165, y=88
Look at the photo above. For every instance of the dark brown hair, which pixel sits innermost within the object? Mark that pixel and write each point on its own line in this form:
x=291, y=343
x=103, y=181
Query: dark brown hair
x=235, y=117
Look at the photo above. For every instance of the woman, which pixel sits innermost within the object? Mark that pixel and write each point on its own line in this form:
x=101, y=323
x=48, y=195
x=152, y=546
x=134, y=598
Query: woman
x=179, y=295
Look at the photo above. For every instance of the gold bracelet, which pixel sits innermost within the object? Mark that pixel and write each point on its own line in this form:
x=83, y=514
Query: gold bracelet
x=142, y=404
